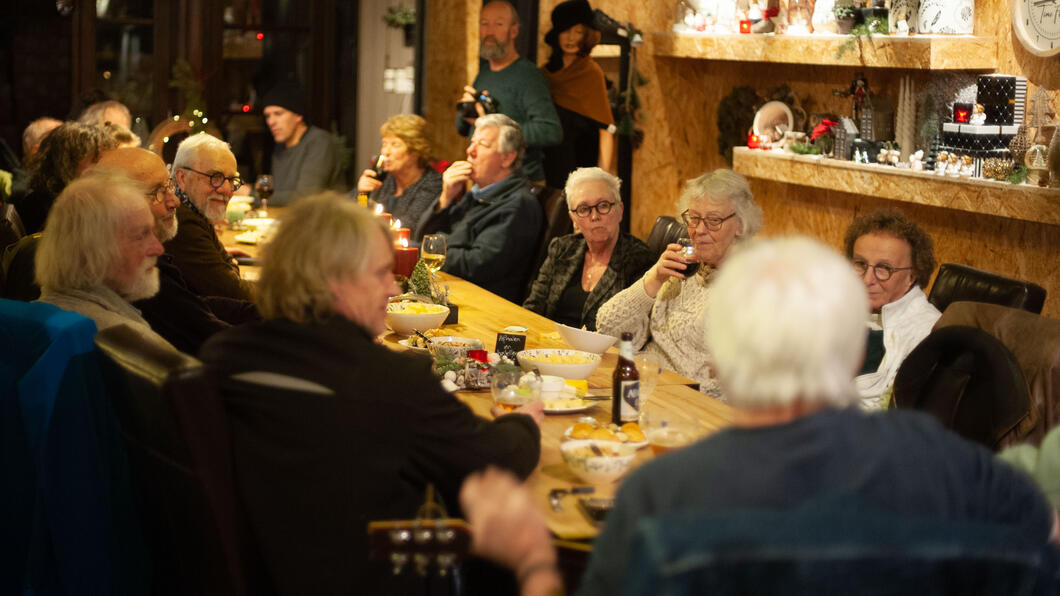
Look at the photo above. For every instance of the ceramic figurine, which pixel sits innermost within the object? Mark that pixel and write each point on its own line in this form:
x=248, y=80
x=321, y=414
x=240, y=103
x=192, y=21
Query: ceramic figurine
x=967, y=168
x=916, y=161
x=901, y=26
x=953, y=166
x=881, y=157
x=940, y=163
x=894, y=156
x=978, y=115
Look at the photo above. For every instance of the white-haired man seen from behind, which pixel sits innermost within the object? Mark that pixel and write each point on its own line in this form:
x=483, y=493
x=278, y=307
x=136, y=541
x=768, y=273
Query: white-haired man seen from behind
x=785, y=324
x=206, y=175
x=98, y=251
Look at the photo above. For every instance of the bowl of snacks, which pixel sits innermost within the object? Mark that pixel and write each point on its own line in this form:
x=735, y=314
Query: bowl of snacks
x=586, y=341
x=588, y=427
x=406, y=317
x=597, y=461
x=515, y=388
x=569, y=364
x=452, y=347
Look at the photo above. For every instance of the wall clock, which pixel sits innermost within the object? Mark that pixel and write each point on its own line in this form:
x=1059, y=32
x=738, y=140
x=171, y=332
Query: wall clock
x=1037, y=25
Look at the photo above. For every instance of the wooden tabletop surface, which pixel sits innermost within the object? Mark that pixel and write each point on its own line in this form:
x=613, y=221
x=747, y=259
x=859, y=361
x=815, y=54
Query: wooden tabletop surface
x=482, y=315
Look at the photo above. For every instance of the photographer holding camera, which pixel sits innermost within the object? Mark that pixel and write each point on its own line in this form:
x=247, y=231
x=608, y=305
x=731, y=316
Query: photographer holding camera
x=510, y=85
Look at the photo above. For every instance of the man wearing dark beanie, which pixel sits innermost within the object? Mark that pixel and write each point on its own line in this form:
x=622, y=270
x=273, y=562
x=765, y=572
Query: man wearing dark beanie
x=303, y=160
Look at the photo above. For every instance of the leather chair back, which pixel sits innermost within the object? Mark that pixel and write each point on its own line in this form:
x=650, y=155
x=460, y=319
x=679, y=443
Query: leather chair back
x=666, y=230
x=11, y=228
x=179, y=447
x=967, y=379
x=960, y=282
x=557, y=223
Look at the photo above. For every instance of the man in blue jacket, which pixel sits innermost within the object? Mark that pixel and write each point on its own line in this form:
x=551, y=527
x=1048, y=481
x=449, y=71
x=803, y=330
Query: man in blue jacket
x=493, y=230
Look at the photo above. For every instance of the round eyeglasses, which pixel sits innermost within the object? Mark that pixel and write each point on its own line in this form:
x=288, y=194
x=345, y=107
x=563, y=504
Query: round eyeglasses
x=603, y=208
x=882, y=271
x=159, y=193
x=713, y=223
x=217, y=179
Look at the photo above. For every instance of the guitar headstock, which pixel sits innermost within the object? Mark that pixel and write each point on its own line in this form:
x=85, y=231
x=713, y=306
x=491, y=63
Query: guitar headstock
x=427, y=544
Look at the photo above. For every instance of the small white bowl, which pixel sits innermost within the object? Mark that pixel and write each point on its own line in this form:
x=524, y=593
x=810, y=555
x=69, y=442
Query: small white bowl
x=405, y=324
x=551, y=386
x=597, y=469
x=531, y=359
x=587, y=341
x=457, y=348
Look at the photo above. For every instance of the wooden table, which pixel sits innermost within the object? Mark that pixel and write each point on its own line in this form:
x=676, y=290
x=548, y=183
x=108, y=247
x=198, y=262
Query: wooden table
x=482, y=315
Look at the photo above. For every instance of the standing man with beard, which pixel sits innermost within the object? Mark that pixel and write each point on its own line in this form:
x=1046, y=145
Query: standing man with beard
x=103, y=220
x=204, y=170
x=183, y=317
x=517, y=85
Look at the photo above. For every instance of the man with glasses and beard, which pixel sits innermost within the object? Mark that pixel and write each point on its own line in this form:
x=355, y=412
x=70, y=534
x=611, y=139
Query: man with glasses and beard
x=103, y=219
x=205, y=173
x=183, y=317
x=894, y=258
x=517, y=85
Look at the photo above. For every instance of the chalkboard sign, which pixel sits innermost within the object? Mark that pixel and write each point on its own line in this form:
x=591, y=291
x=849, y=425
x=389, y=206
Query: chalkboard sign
x=510, y=344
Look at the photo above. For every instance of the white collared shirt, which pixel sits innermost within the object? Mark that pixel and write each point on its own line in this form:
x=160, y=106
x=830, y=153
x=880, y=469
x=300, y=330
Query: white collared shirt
x=905, y=323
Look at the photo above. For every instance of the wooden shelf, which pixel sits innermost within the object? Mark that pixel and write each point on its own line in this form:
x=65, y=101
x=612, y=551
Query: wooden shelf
x=975, y=195
x=926, y=52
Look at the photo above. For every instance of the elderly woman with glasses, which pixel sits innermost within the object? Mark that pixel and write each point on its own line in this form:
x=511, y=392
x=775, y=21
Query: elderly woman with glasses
x=666, y=309
x=585, y=269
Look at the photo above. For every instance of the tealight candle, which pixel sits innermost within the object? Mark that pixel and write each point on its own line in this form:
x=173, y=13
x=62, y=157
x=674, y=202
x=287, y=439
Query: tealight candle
x=405, y=257
x=745, y=26
x=380, y=213
x=402, y=236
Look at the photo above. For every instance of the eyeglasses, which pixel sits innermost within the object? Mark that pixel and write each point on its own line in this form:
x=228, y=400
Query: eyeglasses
x=603, y=208
x=217, y=179
x=882, y=271
x=713, y=223
x=159, y=193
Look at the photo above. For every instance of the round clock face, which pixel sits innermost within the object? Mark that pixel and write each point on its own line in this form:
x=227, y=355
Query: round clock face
x=1037, y=25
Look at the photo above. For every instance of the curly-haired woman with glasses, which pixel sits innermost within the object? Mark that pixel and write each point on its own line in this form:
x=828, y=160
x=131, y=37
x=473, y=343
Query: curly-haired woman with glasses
x=894, y=258
x=585, y=269
x=665, y=310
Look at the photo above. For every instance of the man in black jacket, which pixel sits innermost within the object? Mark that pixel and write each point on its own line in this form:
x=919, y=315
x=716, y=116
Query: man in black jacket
x=183, y=317
x=330, y=430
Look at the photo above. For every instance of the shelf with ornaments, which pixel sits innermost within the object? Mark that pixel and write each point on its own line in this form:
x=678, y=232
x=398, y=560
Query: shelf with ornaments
x=975, y=195
x=925, y=52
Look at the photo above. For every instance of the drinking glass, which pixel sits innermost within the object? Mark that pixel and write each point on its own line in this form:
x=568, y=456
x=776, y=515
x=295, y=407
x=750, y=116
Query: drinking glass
x=667, y=430
x=649, y=369
x=688, y=251
x=432, y=251
x=264, y=187
x=514, y=389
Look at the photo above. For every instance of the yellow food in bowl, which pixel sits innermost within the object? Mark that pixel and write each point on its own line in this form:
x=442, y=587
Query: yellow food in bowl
x=559, y=358
x=413, y=308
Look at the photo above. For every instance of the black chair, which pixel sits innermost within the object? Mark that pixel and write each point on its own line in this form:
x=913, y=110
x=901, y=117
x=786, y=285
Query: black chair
x=967, y=379
x=179, y=448
x=11, y=228
x=666, y=230
x=960, y=282
x=557, y=223
x=19, y=270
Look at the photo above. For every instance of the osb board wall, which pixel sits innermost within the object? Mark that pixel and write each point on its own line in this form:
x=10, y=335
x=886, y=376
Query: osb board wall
x=679, y=119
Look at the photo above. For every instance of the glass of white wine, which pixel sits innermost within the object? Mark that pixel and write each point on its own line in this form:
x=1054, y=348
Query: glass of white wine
x=432, y=250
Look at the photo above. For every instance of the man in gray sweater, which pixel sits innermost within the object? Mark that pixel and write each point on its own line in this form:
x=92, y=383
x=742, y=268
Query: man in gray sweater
x=304, y=159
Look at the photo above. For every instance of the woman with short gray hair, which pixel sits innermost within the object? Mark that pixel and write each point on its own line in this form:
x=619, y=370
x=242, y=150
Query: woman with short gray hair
x=666, y=310
x=585, y=269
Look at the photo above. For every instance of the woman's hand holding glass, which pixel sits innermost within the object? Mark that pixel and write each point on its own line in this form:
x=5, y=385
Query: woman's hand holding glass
x=672, y=263
x=368, y=182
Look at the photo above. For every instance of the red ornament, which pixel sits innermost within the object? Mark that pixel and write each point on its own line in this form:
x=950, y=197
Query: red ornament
x=260, y=36
x=246, y=108
x=753, y=141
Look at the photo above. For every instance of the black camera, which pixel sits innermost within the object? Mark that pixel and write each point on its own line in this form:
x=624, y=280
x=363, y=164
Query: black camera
x=490, y=105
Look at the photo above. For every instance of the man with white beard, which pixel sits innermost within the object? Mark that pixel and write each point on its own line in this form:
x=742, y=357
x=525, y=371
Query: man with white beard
x=205, y=173
x=178, y=314
x=98, y=252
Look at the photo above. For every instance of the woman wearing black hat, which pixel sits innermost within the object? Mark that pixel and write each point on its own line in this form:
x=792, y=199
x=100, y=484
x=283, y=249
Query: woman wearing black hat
x=579, y=91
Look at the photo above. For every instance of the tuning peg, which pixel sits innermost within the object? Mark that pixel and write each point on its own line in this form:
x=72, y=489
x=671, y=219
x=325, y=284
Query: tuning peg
x=399, y=560
x=421, y=561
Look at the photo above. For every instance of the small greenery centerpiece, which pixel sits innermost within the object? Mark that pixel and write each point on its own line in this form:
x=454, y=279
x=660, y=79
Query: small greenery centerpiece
x=399, y=16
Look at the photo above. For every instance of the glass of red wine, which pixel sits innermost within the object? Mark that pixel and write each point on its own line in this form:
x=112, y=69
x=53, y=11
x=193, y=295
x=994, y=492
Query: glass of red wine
x=378, y=165
x=688, y=253
x=264, y=187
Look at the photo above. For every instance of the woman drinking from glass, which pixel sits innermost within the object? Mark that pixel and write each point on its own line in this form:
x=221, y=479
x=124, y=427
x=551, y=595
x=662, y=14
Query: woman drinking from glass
x=665, y=311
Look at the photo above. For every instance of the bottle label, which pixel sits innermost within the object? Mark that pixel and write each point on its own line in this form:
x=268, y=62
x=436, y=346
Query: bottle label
x=630, y=400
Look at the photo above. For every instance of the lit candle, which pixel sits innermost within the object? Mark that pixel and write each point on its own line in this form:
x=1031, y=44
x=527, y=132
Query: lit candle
x=745, y=26
x=405, y=257
x=752, y=141
x=379, y=213
x=401, y=235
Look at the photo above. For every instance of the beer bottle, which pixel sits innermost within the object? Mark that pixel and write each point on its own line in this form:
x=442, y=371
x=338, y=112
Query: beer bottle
x=625, y=384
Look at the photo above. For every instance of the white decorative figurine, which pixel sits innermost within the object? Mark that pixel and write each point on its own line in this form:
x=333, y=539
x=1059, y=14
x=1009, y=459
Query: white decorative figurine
x=916, y=161
x=966, y=166
x=940, y=163
x=978, y=115
x=953, y=166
